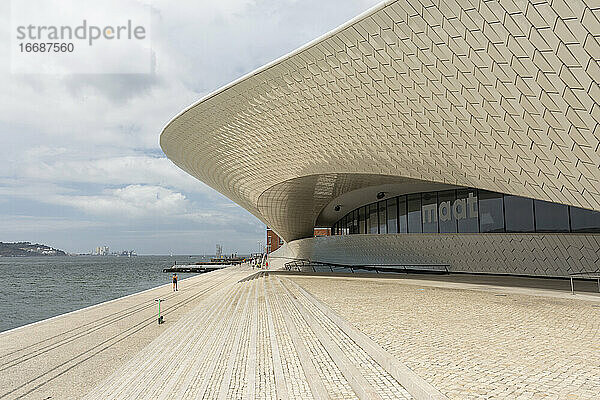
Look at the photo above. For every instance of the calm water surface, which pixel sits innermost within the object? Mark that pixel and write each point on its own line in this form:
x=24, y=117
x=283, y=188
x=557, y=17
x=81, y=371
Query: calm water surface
x=36, y=288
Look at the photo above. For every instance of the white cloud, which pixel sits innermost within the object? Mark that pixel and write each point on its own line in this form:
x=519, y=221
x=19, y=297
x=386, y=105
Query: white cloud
x=88, y=144
x=23, y=223
x=112, y=171
x=132, y=201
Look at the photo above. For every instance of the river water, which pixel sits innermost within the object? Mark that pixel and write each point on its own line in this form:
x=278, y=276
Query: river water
x=36, y=288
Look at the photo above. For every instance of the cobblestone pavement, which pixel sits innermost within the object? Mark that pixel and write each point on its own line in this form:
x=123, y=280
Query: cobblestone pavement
x=262, y=338
x=473, y=344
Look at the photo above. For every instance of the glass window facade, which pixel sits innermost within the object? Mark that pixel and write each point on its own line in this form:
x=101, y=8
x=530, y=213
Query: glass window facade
x=362, y=224
x=373, y=219
x=414, y=213
x=447, y=220
x=430, y=212
x=551, y=217
x=584, y=221
x=402, y=220
x=518, y=214
x=491, y=211
x=466, y=211
x=382, y=217
x=392, y=215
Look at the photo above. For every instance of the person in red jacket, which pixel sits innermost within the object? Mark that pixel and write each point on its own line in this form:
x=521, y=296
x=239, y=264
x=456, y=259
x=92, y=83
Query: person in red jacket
x=174, y=282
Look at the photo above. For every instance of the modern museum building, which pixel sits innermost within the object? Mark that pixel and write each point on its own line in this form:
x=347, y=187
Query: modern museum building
x=463, y=133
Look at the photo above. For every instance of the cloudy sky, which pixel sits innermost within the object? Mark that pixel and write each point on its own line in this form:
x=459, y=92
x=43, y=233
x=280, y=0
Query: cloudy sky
x=80, y=163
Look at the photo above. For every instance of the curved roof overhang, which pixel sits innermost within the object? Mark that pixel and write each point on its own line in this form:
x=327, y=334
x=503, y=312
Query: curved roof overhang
x=501, y=97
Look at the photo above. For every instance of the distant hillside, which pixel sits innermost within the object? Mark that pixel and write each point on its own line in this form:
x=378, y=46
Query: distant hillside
x=24, y=249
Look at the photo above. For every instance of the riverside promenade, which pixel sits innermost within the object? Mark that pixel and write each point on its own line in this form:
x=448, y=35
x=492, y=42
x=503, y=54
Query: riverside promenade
x=239, y=333
x=229, y=334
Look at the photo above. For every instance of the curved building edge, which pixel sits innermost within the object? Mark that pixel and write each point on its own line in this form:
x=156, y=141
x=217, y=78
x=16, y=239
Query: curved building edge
x=409, y=98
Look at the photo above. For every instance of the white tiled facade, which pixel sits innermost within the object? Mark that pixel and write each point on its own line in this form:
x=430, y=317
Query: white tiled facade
x=496, y=95
x=493, y=253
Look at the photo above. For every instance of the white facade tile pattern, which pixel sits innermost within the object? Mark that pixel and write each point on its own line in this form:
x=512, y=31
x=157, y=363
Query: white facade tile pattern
x=497, y=95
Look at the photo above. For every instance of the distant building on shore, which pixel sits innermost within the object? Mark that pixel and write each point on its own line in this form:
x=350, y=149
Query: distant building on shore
x=101, y=251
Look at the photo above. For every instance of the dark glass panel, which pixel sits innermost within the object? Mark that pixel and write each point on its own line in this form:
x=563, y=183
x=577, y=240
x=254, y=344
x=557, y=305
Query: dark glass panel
x=551, y=217
x=465, y=210
x=354, y=222
x=348, y=223
x=361, y=220
x=382, y=217
x=392, y=216
x=518, y=214
x=583, y=220
x=447, y=219
x=373, y=220
x=491, y=211
x=402, y=222
x=430, y=217
x=414, y=213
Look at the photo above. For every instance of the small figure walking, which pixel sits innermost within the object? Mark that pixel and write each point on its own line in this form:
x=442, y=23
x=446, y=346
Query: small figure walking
x=174, y=282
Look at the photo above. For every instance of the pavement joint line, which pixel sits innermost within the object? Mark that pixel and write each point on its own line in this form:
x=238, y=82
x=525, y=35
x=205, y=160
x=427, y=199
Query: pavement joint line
x=152, y=357
x=298, y=387
x=333, y=379
x=280, y=384
x=202, y=348
x=359, y=384
x=250, y=389
x=215, y=351
x=221, y=306
x=166, y=390
x=315, y=382
x=153, y=353
x=266, y=375
x=416, y=386
x=71, y=363
x=120, y=382
x=227, y=376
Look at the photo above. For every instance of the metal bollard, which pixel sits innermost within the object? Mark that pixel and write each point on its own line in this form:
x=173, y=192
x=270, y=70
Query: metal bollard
x=160, y=317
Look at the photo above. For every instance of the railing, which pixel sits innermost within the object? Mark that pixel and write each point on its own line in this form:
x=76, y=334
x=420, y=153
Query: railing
x=317, y=266
x=585, y=275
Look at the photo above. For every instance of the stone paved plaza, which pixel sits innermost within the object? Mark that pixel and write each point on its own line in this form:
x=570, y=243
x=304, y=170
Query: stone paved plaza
x=263, y=338
x=474, y=344
x=242, y=334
